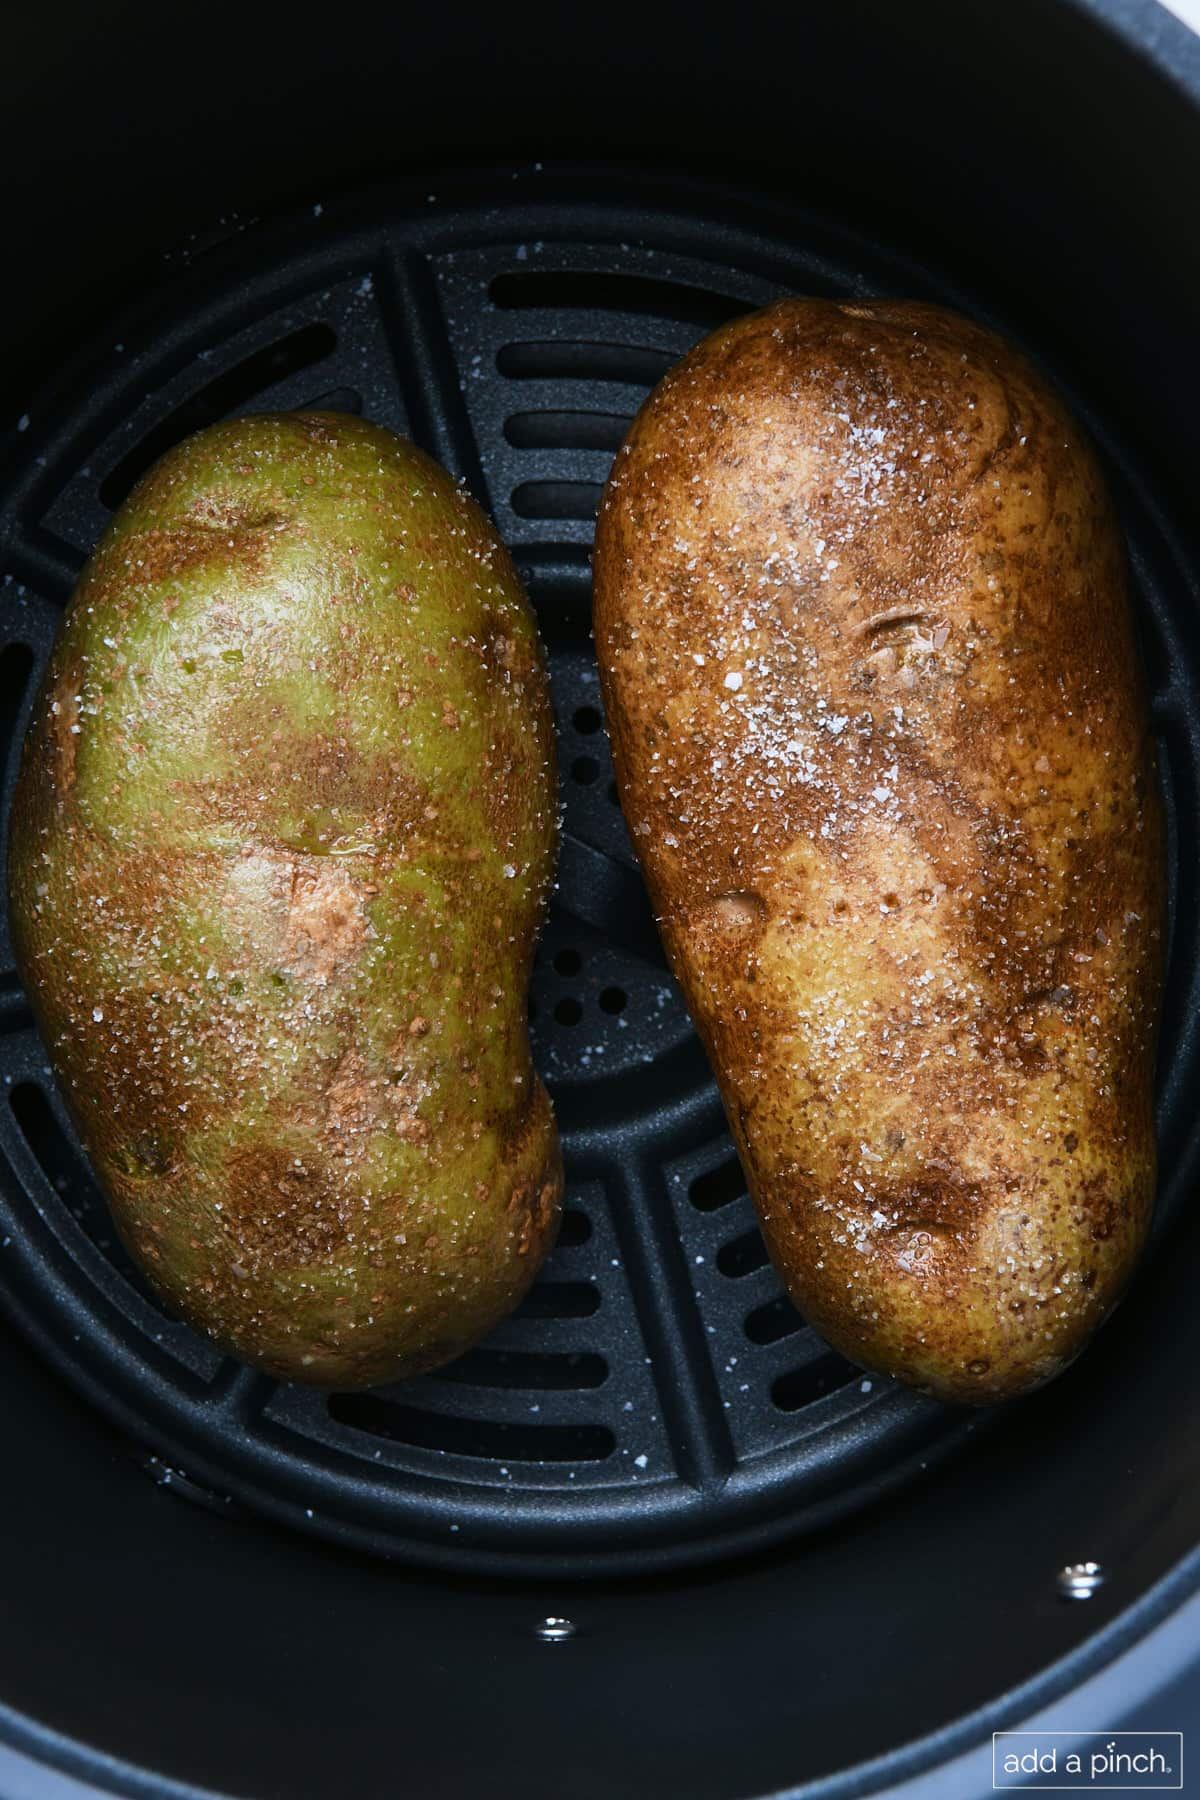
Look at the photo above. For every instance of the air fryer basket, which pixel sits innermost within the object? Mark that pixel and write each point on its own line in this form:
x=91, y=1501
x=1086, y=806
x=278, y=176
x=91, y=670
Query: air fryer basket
x=656, y=1405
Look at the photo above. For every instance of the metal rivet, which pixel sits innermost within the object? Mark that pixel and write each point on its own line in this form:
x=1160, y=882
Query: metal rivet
x=1079, y=1581
x=554, y=1631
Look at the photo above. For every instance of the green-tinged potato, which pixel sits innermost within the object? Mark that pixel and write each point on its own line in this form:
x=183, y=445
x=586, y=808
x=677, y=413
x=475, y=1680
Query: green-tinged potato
x=883, y=746
x=282, y=836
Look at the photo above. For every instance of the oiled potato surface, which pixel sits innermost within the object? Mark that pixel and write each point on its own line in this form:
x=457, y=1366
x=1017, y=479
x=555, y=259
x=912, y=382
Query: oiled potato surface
x=882, y=743
x=282, y=836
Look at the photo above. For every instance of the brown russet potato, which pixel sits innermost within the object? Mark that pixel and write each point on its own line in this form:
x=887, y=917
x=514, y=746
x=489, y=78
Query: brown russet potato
x=282, y=838
x=882, y=742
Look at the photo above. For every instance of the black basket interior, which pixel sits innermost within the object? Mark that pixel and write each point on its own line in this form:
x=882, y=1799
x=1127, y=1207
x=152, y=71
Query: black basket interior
x=657, y=1399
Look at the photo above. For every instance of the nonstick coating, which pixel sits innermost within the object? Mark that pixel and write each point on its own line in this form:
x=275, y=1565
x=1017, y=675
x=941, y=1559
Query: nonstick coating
x=657, y=1400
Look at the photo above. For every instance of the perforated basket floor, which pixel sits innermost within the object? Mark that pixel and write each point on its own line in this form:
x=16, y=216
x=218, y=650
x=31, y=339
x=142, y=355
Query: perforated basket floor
x=657, y=1399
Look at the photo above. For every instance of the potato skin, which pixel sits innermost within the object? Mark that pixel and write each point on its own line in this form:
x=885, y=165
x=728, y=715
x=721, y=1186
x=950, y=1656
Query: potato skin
x=282, y=836
x=882, y=743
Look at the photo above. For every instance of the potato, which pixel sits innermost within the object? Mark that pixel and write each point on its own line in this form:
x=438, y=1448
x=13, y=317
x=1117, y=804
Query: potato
x=281, y=840
x=883, y=747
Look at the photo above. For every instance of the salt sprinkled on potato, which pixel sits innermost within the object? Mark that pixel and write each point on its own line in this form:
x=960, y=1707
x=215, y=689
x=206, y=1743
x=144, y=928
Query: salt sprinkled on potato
x=864, y=630
x=281, y=841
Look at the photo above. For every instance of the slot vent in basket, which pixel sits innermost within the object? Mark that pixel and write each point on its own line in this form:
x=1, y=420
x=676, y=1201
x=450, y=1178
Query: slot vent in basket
x=563, y=360
x=556, y=499
x=595, y=291
x=743, y=1255
x=566, y=430
x=560, y=1300
x=773, y=1321
x=526, y=1369
x=812, y=1381
x=491, y=1440
x=16, y=667
x=719, y=1187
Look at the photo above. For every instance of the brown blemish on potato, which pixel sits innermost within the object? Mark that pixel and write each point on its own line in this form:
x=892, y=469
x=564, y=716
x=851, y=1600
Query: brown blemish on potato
x=734, y=912
x=319, y=428
x=65, y=711
x=357, y=1102
x=326, y=922
x=352, y=1095
x=931, y=1202
x=282, y=1208
x=151, y=1153
x=497, y=648
x=334, y=792
x=236, y=535
x=535, y=1205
